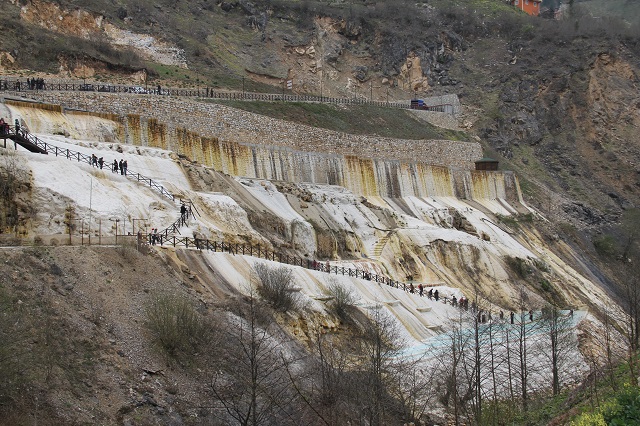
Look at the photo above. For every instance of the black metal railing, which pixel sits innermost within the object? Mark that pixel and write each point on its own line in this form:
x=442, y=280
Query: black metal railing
x=85, y=158
x=265, y=253
x=15, y=84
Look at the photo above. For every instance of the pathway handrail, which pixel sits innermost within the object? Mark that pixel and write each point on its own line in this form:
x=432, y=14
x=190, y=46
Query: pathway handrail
x=11, y=84
x=84, y=158
x=266, y=253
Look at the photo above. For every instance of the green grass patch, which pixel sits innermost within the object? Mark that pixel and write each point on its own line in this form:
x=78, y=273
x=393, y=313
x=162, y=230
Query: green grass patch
x=361, y=119
x=516, y=220
x=605, y=245
x=623, y=409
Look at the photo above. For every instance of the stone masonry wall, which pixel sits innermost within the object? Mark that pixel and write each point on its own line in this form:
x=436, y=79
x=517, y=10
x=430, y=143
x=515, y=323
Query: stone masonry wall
x=209, y=120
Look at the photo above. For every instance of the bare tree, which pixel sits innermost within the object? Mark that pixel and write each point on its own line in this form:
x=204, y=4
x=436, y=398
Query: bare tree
x=14, y=176
x=631, y=321
x=521, y=331
x=412, y=386
x=456, y=384
x=558, y=328
x=324, y=387
x=379, y=346
x=250, y=382
x=610, y=340
x=630, y=259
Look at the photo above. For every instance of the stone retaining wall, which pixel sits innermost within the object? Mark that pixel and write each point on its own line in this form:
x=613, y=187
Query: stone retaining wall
x=177, y=116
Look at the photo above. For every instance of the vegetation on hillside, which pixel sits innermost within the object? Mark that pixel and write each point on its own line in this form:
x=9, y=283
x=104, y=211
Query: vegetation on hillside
x=531, y=78
x=360, y=119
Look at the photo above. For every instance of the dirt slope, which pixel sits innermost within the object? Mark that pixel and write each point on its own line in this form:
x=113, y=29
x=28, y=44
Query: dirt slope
x=93, y=352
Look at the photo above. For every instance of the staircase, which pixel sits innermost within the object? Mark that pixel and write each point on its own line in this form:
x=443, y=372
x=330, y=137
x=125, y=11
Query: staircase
x=379, y=247
x=23, y=139
x=32, y=143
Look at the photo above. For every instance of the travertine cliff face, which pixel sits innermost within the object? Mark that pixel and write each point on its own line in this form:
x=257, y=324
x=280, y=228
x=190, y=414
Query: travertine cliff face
x=279, y=151
x=199, y=124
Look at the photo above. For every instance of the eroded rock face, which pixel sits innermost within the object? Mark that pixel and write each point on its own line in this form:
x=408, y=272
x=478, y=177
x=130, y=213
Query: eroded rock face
x=84, y=24
x=577, y=119
x=412, y=74
x=77, y=22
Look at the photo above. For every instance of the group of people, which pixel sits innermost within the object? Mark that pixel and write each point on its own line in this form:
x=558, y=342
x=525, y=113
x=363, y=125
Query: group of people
x=32, y=84
x=117, y=166
x=5, y=129
x=97, y=162
x=318, y=265
x=120, y=166
x=35, y=83
x=154, y=237
x=431, y=294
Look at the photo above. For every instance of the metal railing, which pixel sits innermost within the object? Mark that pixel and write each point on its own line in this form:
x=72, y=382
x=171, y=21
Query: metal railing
x=85, y=158
x=265, y=253
x=174, y=228
x=15, y=84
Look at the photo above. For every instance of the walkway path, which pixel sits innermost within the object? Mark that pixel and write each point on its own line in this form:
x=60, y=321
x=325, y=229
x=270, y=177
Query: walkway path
x=447, y=103
x=169, y=234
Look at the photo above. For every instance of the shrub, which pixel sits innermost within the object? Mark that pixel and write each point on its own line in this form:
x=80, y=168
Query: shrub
x=519, y=266
x=626, y=411
x=276, y=287
x=605, y=246
x=175, y=325
x=589, y=419
x=343, y=298
x=545, y=285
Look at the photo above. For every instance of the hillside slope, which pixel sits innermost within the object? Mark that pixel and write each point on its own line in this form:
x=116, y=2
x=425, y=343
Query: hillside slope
x=460, y=247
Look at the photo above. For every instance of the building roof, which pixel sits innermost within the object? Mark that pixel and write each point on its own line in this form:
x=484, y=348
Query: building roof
x=487, y=160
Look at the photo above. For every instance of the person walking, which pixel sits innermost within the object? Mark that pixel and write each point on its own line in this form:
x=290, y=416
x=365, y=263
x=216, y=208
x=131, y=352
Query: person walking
x=183, y=214
x=101, y=162
x=121, y=164
x=125, y=166
x=436, y=295
x=115, y=166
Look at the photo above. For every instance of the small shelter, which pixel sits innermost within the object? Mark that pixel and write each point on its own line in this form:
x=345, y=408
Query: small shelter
x=487, y=163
